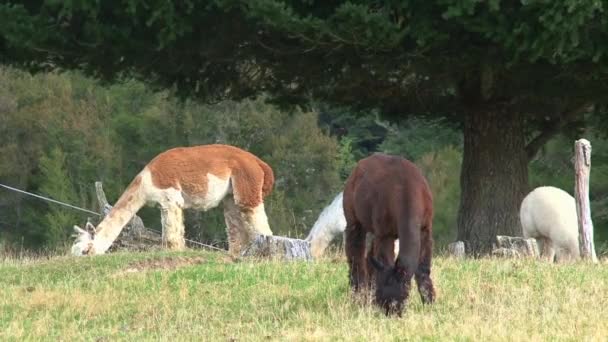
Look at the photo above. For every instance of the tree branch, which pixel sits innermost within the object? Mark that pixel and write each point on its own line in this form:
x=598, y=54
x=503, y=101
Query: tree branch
x=545, y=135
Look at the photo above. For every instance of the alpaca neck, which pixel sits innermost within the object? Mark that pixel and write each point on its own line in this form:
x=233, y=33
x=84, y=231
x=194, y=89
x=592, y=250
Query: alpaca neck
x=322, y=233
x=330, y=223
x=319, y=243
x=110, y=227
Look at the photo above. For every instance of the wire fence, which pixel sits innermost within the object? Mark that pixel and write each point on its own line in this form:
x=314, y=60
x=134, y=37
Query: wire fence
x=48, y=199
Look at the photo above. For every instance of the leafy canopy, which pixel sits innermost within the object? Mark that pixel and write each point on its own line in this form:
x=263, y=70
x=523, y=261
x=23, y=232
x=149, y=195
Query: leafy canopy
x=396, y=55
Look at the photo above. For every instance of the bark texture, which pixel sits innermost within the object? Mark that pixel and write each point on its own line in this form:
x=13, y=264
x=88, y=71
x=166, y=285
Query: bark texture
x=494, y=177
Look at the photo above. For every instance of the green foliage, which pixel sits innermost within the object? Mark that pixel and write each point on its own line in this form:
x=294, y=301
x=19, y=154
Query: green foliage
x=418, y=136
x=357, y=53
x=62, y=132
x=346, y=158
x=441, y=169
x=56, y=183
x=446, y=58
x=53, y=120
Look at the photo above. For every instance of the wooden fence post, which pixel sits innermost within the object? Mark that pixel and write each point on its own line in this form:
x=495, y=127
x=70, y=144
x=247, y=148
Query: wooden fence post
x=456, y=249
x=582, y=167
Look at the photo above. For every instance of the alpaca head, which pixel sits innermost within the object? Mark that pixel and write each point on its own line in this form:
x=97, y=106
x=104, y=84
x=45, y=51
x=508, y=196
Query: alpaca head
x=84, y=240
x=391, y=288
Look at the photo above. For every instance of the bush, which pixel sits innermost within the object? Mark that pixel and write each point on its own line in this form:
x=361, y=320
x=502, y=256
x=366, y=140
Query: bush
x=442, y=170
x=61, y=132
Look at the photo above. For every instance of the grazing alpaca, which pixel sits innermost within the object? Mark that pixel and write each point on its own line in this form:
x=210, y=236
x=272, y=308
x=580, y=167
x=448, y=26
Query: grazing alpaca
x=389, y=197
x=198, y=177
x=548, y=214
x=329, y=225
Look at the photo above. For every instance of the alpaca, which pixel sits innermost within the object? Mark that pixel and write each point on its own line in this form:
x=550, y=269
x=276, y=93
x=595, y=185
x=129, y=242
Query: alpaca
x=389, y=197
x=198, y=177
x=329, y=225
x=548, y=214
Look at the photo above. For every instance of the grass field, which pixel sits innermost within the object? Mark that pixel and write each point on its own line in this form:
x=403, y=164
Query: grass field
x=206, y=297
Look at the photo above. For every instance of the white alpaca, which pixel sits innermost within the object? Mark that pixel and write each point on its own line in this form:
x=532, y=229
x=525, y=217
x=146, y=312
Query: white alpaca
x=329, y=225
x=198, y=177
x=548, y=214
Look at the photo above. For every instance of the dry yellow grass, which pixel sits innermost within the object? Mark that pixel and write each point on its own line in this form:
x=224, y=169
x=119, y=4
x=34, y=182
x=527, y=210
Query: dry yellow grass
x=204, y=296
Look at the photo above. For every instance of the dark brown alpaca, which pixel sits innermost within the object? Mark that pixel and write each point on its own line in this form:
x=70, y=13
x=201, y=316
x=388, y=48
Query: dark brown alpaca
x=389, y=197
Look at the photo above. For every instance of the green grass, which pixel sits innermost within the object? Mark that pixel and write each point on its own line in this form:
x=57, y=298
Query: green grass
x=206, y=297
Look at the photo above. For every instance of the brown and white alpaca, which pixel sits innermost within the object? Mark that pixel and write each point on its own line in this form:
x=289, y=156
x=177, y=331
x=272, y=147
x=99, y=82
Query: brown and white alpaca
x=198, y=177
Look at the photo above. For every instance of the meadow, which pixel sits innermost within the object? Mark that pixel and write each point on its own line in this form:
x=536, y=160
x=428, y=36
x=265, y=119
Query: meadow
x=206, y=296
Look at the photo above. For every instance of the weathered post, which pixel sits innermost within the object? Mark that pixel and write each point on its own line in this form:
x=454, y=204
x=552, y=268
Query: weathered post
x=456, y=249
x=278, y=247
x=104, y=206
x=515, y=246
x=582, y=168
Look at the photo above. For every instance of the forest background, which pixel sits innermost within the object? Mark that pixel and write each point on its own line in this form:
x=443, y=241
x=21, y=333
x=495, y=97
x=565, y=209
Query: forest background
x=60, y=132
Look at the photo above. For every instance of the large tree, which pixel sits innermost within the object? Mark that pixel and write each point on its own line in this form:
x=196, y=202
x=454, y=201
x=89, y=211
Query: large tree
x=513, y=73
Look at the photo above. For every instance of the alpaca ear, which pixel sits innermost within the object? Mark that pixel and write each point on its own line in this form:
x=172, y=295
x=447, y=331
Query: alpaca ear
x=80, y=231
x=377, y=264
x=90, y=228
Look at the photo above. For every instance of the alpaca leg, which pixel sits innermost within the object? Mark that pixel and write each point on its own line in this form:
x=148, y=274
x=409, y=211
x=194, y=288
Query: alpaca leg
x=386, y=250
x=383, y=249
x=568, y=252
x=573, y=250
x=541, y=245
x=355, y=254
x=318, y=245
x=409, y=255
x=234, y=226
x=370, y=270
x=243, y=224
x=248, y=230
x=256, y=221
x=172, y=219
x=548, y=250
x=423, y=273
x=561, y=255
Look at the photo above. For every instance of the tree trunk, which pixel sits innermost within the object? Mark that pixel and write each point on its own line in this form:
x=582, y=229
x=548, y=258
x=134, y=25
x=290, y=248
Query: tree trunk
x=494, y=177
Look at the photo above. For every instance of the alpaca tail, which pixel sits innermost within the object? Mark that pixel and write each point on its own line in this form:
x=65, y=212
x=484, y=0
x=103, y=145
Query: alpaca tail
x=131, y=200
x=268, y=178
